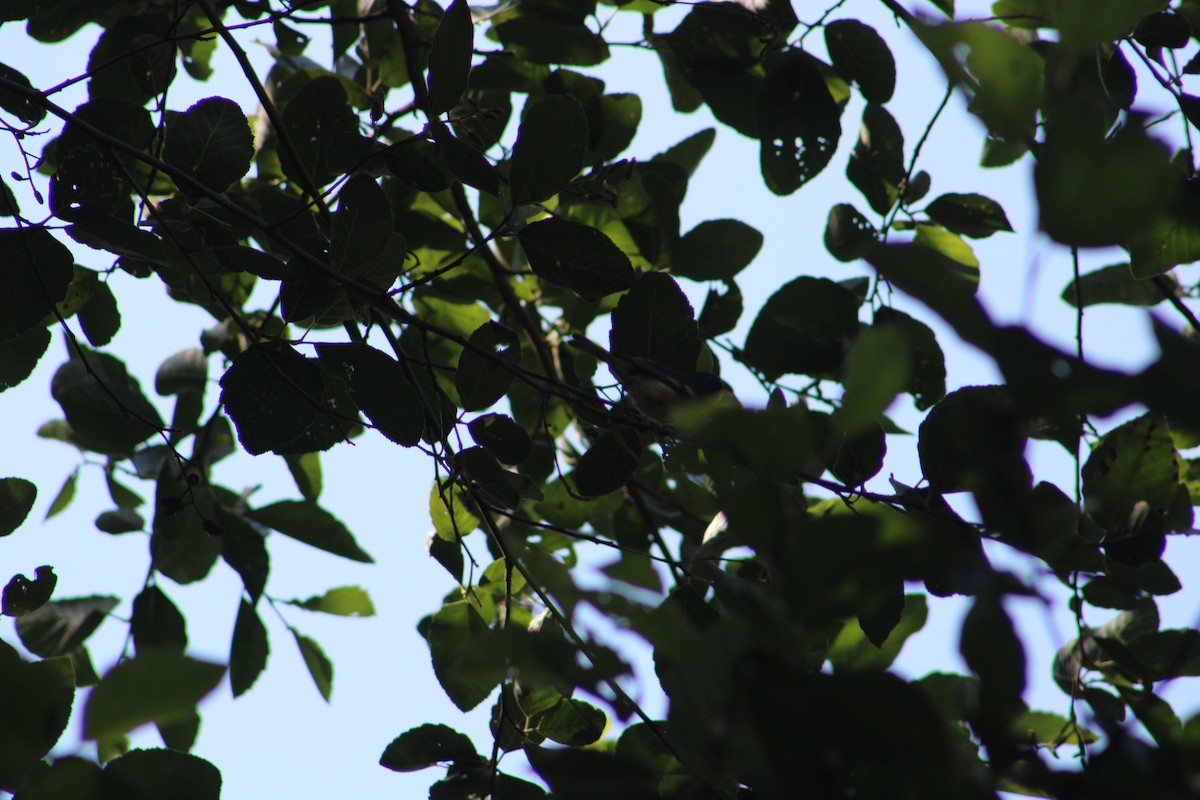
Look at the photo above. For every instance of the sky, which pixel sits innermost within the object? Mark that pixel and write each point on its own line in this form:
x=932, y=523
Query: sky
x=282, y=739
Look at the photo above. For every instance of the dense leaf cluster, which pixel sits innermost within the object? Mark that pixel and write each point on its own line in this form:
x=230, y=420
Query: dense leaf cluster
x=387, y=247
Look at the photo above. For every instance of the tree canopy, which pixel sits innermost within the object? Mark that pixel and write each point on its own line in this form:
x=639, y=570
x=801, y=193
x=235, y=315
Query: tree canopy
x=407, y=240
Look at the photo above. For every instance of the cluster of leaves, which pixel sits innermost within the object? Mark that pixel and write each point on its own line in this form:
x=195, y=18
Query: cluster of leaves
x=423, y=284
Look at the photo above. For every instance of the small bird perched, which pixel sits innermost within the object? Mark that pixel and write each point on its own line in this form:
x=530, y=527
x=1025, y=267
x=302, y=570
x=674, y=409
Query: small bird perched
x=656, y=389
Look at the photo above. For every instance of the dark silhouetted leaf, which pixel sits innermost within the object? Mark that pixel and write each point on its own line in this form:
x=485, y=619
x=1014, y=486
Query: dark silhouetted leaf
x=309, y=523
x=37, y=272
x=501, y=436
x=22, y=595
x=17, y=497
x=248, y=651
x=211, y=142
x=156, y=622
x=848, y=234
x=482, y=380
x=163, y=773
x=803, y=328
x=427, y=746
x=465, y=659
x=577, y=257
x=968, y=214
x=608, y=464
x=450, y=57
x=716, y=250
x=58, y=627
x=549, y=150
x=655, y=321
x=862, y=56
x=320, y=668
x=157, y=685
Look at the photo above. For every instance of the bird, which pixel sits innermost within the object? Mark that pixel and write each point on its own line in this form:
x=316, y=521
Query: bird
x=656, y=389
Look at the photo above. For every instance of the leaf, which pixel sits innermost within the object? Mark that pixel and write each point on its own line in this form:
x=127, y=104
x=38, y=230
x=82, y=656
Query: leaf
x=655, y=321
x=450, y=512
x=58, y=627
x=427, y=746
x=37, y=699
x=465, y=162
x=551, y=143
x=482, y=380
x=721, y=312
x=99, y=318
x=157, y=685
x=927, y=363
x=800, y=124
x=544, y=41
x=501, y=436
x=323, y=130
x=23, y=596
x=156, y=622
x=802, y=328
x=876, y=369
x=450, y=57
x=361, y=228
x=309, y=523
x=971, y=439
x=1115, y=283
x=211, y=142
x=186, y=371
x=379, y=387
x=608, y=464
x=163, y=773
x=344, y=601
x=306, y=473
x=103, y=403
x=848, y=234
x=993, y=651
x=276, y=399
x=19, y=106
x=1050, y=730
x=716, y=250
x=1094, y=193
x=876, y=166
x=319, y=665
x=861, y=55
x=573, y=723
x=465, y=660
x=17, y=497
x=447, y=553
x=37, y=271
x=577, y=257
x=248, y=651
x=243, y=548
x=968, y=214
x=853, y=651
x=948, y=244
x=1135, y=462
x=19, y=356
x=1168, y=241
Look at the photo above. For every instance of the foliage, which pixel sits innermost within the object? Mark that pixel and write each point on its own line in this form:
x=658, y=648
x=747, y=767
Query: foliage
x=424, y=283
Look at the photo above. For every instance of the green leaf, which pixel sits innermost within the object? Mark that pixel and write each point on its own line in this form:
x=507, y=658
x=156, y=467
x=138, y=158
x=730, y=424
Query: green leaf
x=344, y=601
x=577, y=257
x=876, y=166
x=36, y=698
x=1168, y=241
x=1115, y=283
x=551, y=143
x=276, y=399
x=100, y=318
x=211, y=142
x=156, y=622
x=948, y=244
x=716, y=250
x=322, y=128
x=450, y=57
x=157, y=685
x=655, y=321
x=447, y=553
x=37, y=271
x=20, y=354
x=968, y=214
x=573, y=723
x=163, y=773
x=927, y=363
x=802, y=328
x=427, y=746
x=853, y=651
x=1082, y=24
x=309, y=523
x=186, y=371
x=1004, y=75
x=877, y=368
x=800, y=124
x=1093, y=193
x=1050, y=730
x=58, y=627
x=620, y=115
x=1135, y=462
x=103, y=403
x=465, y=660
x=320, y=668
x=248, y=651
x=306, y=473
x=182, y=547
x=450, y=512
x=543, y=41
x=608, y=464
x=23, y=596
x=17, y=497
x=861, y=55
x=482, y=380
x=501, y=436
x=379, y=387
x=848, y=234
x=243, y=548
